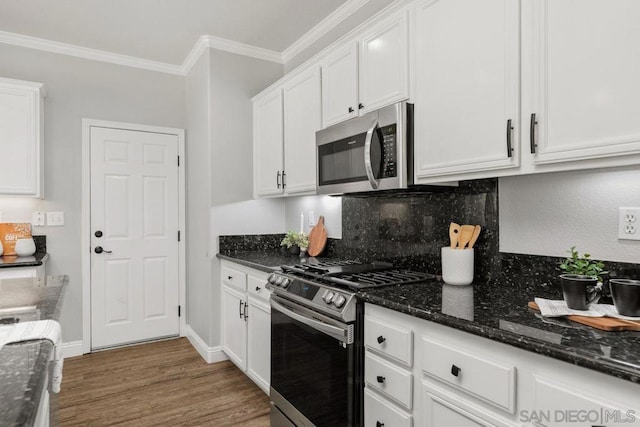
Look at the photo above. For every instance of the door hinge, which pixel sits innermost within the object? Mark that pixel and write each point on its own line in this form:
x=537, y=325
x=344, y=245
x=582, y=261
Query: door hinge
x=178, y=161
x=179, y=311
x=178, y=235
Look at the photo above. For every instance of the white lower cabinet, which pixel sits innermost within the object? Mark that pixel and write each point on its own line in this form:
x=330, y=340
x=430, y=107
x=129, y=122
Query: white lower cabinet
x=463, y=380
x=246, y=321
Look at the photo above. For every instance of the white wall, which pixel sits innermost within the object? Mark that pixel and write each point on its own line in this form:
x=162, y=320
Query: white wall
x=328, y=206
x=546, y=214
x=79, y=88
x=198, y=168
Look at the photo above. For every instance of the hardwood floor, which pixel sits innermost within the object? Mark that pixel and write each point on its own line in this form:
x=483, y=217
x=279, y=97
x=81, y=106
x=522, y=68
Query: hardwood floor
x=164, y=383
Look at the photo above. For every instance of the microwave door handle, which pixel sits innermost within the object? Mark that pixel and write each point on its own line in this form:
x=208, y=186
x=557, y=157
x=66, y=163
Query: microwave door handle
x=367, y=155
x=332, y=331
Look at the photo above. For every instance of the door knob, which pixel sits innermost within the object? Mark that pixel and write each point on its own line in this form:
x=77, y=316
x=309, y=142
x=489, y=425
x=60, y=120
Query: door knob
x=99, y=250
x=98, y=233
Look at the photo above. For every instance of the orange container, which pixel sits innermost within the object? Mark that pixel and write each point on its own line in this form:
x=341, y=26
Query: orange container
x=12, y=231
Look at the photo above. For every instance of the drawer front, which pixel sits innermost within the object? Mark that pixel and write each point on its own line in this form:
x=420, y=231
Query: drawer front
x=395, y=342
x=256, y=288
x=379, y=412
x=388, y=379
x=485, y=379
x=235, y=278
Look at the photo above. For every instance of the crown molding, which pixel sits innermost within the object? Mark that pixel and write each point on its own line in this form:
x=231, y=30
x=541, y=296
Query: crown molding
x=205, y=42
x=322, y=28
x=88, y=53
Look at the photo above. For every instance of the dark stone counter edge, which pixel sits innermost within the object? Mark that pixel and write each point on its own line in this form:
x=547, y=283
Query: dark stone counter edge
x=248, y=263
x=37, y=382
x=40, y=258
x=521, y=341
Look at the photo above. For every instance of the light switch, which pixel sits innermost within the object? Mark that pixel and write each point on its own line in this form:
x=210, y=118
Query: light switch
x=55, y=219
x=37, y=219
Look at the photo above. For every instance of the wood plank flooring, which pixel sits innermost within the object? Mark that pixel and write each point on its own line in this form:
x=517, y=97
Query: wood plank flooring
x=164, y=383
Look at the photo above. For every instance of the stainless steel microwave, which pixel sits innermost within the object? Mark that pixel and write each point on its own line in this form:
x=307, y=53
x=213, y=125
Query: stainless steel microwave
x=367, y=153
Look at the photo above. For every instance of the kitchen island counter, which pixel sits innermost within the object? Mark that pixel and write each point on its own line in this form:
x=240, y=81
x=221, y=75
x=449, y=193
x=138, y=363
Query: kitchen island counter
x=24, y=366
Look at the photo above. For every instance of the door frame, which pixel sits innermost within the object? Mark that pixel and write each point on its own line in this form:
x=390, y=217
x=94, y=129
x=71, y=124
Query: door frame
x=85, y=234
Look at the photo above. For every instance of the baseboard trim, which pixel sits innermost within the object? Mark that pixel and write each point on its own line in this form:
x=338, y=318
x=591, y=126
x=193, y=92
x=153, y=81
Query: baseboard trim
x=72, y=349
x=209, y=354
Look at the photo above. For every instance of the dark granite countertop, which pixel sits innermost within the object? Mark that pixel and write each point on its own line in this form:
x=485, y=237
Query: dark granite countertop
x=497, y=310
x=23, y=366
x=24, y=261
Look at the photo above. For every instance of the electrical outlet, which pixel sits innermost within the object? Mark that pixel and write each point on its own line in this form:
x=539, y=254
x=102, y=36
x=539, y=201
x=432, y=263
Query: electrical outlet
x=38, y=219
x=628, y=224
x=55, y=219
x=312, y=219
x=0, y=216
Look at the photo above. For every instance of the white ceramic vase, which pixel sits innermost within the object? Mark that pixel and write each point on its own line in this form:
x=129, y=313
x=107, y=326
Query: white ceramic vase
x=25, y=247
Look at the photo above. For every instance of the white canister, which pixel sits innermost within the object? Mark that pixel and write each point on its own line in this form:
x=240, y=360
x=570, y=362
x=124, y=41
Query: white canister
x=25, y=247
x=457, y=266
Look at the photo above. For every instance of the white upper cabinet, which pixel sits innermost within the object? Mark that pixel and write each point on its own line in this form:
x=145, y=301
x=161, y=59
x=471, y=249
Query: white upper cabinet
x=340, y=85
x=368, y=74
x=302, y=119
x=268, y=144
x=580, y=79
x=21, y=138
x=384, y=63
x=467, y=86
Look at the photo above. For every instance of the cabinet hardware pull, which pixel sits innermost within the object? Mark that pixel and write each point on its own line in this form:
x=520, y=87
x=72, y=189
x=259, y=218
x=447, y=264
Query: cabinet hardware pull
x=455, y=371
x=278, y=179
x=351, y=109
x=284, y=179
x=532, y=133
x=381, y=339
x=246, y=311
x=360, y=106
x=380, y=379
x=230, y=277
x=509, y=132
x=258, y=288
x=379, y=424
x=240, y=309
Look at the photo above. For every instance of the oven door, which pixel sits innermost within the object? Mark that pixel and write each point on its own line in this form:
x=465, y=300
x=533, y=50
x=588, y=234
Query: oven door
x=312, y=367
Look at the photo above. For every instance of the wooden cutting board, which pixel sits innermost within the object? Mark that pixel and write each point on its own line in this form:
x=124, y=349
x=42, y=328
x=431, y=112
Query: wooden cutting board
x=317, y=238
x=603, y=323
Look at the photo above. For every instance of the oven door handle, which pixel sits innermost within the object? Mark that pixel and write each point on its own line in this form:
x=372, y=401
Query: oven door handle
x=367, y=155
x=336, y=332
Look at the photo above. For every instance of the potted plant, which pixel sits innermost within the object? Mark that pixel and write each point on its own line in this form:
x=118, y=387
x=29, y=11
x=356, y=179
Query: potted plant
x=581, y=280
x=295, y=242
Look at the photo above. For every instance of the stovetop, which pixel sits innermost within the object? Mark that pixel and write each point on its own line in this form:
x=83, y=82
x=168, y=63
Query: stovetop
x=355, y=275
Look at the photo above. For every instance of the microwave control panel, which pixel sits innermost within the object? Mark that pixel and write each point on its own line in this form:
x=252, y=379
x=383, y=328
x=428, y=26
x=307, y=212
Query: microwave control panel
x=389, y=159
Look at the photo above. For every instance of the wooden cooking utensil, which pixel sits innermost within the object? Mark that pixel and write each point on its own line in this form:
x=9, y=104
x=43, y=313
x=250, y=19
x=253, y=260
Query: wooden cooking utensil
x=454, y=234
x=317, y=238
x=466, y=232
x=474, y=236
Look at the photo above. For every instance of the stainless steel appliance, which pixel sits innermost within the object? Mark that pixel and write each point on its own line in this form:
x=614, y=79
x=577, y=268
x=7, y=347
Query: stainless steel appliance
x=366, y=153
x=316, y=339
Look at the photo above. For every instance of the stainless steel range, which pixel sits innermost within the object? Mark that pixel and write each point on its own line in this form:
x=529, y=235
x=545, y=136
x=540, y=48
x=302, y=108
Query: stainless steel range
x=316, y=339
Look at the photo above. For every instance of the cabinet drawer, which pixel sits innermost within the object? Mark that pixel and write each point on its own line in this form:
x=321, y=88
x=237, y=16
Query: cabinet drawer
x=391, y=381
x=395, y=342
x=256, y=288
x=235, y=278
x=377, y=411
x=485, y=379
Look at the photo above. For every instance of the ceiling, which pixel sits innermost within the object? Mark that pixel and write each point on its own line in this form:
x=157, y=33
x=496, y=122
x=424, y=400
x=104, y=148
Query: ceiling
x=164, y=30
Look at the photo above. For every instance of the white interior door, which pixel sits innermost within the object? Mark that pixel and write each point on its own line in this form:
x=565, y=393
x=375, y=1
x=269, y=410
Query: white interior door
x=134, y=219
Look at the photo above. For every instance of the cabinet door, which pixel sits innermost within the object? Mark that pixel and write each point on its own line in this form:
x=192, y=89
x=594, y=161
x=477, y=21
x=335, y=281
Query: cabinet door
x=581, y=83
x=384, y=63
x=259, y=344
x=20, y=138
x=340, y=85
x=466, y=103
x=234, y=326
x=302, y=119
x=267, y=144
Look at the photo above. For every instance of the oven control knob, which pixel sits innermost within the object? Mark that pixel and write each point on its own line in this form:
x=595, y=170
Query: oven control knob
x=272, y=278
x=339, y=301
x=328, y=297
x=278, y=280
x=285, y=283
